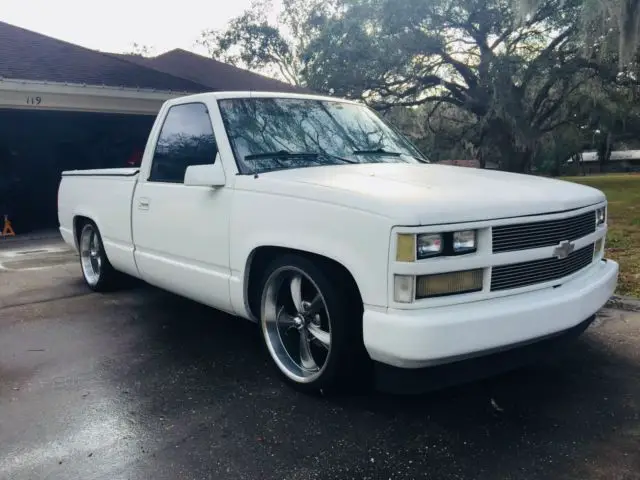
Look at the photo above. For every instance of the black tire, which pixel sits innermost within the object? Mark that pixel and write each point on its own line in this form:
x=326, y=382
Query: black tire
x=107, y=278
x=346, y=365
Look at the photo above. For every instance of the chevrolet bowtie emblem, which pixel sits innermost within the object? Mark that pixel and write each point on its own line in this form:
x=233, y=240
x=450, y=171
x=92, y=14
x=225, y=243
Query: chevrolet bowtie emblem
x=563, y=249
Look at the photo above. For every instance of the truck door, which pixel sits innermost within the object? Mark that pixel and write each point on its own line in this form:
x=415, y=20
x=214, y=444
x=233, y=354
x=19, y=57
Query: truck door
x=181, y=233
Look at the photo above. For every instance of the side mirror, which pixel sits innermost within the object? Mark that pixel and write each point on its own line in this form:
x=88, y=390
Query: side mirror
x=205, y=175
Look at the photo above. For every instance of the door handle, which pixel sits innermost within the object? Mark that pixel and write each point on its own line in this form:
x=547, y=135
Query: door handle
x=143, y=203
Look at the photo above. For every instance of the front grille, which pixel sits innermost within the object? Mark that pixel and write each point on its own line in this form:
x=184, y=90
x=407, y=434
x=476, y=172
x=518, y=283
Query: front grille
x=507, y=238
x=522, y=274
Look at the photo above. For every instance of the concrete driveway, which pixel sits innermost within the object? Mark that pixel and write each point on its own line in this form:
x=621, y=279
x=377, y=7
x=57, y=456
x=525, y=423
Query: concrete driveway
x=141, y=384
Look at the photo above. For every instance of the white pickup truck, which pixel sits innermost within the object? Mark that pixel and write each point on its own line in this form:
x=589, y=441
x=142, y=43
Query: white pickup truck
x=314, y=218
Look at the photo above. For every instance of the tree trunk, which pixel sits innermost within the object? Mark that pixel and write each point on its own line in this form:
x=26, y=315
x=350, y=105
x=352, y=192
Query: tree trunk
x=512, y=156
x=555, y=168
x=513, y=159
x=482, y=161
x=604, y=151
x=519, y=161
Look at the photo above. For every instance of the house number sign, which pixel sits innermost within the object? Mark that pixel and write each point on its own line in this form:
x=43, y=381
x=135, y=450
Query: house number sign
x=34, y=100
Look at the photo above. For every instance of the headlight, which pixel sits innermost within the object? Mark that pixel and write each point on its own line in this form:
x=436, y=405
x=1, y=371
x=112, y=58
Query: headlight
x=411, y=247
x=464, y=241
x=601, y=216
x=428, y=245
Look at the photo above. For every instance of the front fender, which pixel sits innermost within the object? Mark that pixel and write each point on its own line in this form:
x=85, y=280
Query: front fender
x=357, y=240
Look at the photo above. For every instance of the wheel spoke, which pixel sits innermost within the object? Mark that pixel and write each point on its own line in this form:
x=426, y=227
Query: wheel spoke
x=315, y=306
x=296, y=291
x=293, y=304
x=306, y=359
x=90, y=257
x=284, y=319
x=323, y=337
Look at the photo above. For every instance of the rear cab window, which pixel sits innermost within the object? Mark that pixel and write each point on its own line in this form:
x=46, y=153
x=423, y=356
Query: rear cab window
x=186, y=138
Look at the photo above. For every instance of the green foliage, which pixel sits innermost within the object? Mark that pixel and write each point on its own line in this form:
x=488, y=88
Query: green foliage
x=623, y=237
x=513, y=80
x=516, y=85
x=442, y=136
x=253, y=41
x=608, y=26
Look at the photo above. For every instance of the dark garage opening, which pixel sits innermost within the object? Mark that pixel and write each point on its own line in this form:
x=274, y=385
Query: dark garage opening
x=36, y=146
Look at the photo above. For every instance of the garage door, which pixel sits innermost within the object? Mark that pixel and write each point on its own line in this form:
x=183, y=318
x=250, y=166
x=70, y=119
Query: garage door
x=35, y=146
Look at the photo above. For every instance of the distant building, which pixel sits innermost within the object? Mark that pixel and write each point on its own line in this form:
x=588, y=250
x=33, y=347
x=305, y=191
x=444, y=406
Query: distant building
x=620, y=161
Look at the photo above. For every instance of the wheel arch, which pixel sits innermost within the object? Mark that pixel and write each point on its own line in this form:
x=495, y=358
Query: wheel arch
x=261, y=256
x=79, y=221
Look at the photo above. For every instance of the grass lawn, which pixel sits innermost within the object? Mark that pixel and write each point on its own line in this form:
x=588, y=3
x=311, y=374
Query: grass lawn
x=623, y=238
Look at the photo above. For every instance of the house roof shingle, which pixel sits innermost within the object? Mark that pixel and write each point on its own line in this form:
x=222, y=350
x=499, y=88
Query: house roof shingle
x=211, y=73
x=28, y=55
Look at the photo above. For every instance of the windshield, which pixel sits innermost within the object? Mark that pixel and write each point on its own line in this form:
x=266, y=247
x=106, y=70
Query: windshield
x=276, y=133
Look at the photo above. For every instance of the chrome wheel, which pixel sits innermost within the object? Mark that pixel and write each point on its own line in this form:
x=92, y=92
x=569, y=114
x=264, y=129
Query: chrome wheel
x=296, y=324
x=90, y=255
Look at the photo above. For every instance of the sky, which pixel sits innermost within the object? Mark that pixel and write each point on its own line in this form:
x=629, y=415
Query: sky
x=114, y=25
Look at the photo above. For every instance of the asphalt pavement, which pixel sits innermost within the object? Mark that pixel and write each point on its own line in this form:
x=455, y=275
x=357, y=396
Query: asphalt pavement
x=141, y=384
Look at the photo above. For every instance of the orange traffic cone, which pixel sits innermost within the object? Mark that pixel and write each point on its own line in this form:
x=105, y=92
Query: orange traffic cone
x=7, y=231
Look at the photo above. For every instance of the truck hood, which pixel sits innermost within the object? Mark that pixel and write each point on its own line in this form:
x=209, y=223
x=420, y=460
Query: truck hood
x=423, y=194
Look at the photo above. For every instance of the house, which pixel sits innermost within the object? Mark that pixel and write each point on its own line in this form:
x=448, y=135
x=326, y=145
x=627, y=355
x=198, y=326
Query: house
x=63, y=106
x=619, y=161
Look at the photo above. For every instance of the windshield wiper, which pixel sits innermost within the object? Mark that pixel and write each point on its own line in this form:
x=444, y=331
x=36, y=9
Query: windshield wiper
x=380, y=151
x=377, y=151
x=287, y=154
x=279, y=153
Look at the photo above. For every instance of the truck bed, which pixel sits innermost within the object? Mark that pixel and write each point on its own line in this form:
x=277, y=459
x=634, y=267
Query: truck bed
x=105, y=196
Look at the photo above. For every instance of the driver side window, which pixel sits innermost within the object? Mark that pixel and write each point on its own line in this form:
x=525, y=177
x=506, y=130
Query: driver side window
x=186, y=139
